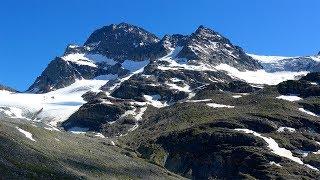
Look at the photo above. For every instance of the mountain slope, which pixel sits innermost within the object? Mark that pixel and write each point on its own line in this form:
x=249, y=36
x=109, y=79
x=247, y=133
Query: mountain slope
x=224, y=134
x=54, y=155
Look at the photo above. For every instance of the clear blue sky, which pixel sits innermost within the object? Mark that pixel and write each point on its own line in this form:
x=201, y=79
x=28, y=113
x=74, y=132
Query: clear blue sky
x=33, y=32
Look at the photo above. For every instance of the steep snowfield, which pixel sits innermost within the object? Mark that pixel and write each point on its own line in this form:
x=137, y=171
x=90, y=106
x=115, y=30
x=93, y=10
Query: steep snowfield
x=88, y=59
x=52, y=107
x=179, y=63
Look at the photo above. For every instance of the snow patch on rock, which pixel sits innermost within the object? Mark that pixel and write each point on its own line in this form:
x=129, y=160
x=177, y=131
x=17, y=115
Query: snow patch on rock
x=154, y=100
x=197, y=101
x=214, y=105
x=290, y=98
x=26, y=133
x=288, y=129
x=260, y=76
x=308, y=112
x=78, y=130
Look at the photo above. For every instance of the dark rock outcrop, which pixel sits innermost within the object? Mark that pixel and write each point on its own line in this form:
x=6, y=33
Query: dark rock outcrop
x=233, y=86
x=61, y=73
x=94, y=115
x=121, y=42
x=303, y=87
x=312, y=77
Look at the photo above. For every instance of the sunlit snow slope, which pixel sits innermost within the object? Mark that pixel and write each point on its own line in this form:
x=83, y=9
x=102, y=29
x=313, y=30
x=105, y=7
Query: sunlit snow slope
x=52, y=107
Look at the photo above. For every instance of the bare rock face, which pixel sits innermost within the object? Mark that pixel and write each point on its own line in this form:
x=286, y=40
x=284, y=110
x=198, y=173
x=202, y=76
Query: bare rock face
x=61, y=73
x=305, y=87
x=94, y=115
x=122, y=41
x=206, y=45
x=58, y=74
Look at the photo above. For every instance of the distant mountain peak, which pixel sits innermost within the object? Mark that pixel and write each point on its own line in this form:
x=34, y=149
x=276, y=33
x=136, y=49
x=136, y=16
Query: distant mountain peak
x=6, y=88
x=114, y=31
x=203, y=29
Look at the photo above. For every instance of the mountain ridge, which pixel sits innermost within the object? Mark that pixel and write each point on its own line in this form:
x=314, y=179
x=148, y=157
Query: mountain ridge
x=108, y=47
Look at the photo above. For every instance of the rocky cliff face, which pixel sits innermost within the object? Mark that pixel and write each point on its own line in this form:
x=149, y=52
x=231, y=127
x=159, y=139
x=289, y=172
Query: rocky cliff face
x=210, y=47
x=121, y=42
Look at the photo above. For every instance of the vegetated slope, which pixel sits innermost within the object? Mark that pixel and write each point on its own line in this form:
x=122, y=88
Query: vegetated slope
x=35, y=153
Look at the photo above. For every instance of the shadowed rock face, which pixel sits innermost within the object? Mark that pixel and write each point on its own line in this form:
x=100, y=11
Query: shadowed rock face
x=122, y=41
x=205, y=155
x=304, y=87
x=61, y=73
x=58, y=74
x=312, y=77
x=94, y=115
